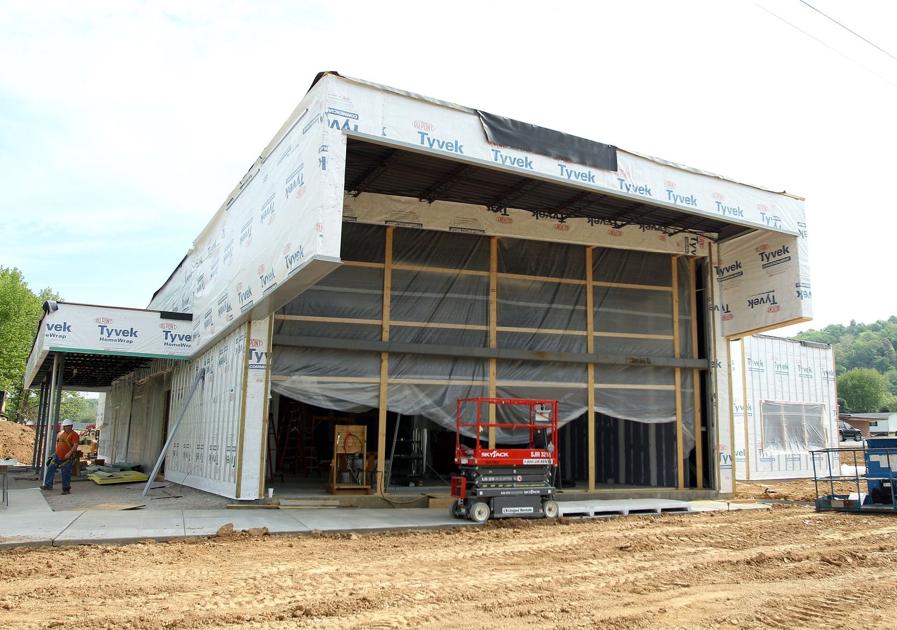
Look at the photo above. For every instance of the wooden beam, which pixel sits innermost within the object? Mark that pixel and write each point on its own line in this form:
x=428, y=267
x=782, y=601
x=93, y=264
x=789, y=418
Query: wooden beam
x=744, y=396
x=493, y=329
x=241, y=426
x=383, y=398
x=696, y=374
x=263, y=460
x=590, y=370
x=626, y=285
x=677, y=352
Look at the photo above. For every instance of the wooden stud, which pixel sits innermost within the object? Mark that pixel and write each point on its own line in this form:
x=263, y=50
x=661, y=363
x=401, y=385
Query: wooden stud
x=493, y=329
x=590, y=370
x=696, y=374
x=384, y=365
x=677, y=352
x=744, y=394
x=265, y=410
x=635, y=336
x=241, y=427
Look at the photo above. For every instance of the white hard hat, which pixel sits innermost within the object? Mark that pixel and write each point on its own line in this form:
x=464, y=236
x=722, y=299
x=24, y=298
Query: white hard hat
x=67, y=423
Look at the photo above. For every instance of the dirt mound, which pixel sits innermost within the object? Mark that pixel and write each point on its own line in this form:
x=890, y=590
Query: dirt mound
x=16, y=442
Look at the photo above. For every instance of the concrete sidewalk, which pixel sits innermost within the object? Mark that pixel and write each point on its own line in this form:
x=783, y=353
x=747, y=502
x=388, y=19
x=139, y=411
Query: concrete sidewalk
x=29, y=521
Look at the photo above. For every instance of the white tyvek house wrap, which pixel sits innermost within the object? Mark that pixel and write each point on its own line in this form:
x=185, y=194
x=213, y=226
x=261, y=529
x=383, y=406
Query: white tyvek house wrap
x=451, y=130
x=763, y=282
x=83, y=327
x=769, y=371
x=283, y=217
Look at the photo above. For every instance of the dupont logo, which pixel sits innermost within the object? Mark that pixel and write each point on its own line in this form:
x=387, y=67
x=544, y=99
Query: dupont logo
x=494, y=454
x=730, y=271
x=562, y=227
x=504, y=219
x=767, y=299
x=770, y=259
x=422, y=125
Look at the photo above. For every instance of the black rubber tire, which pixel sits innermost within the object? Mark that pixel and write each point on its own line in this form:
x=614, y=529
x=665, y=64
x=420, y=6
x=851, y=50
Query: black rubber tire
x=550, y=509
x=479, y=512
x=455, y=510
x=857, y=438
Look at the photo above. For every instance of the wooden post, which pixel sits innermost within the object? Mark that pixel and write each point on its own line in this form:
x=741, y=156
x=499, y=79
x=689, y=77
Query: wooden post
x=696, y=374
x=493, y=322
x=241, y=427
x=590, y=373
x=384, y=365
x=263, y=460
x=677, y=353
x=744, y=394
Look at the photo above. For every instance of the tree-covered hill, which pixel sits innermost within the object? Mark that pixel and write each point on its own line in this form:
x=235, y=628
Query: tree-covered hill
x=866, y=362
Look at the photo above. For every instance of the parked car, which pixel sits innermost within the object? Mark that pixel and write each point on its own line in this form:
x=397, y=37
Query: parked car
x=847, y=432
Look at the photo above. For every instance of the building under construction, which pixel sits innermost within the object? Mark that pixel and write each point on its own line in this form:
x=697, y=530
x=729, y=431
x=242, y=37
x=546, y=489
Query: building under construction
x=388, y=254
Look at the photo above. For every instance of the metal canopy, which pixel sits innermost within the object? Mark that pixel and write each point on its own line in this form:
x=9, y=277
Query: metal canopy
x=389, y=170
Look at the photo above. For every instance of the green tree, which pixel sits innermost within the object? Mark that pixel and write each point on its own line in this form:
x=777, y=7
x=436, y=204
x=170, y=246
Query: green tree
x=20, y=312
x=864, y=390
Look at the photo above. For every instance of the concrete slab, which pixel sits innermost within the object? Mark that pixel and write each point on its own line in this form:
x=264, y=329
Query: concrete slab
x=116, y=527
x=726, y=506
x=33, y=528
x=377, y=519
x=596, y=508
x=27, y=500
x=207, y=522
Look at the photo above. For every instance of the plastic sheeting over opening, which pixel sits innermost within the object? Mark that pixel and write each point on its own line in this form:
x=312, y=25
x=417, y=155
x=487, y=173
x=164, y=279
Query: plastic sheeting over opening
x=440, y=295
x=793, y=427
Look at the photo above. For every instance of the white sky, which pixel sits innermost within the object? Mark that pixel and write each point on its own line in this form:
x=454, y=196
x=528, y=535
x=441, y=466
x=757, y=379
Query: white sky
x=124, y=125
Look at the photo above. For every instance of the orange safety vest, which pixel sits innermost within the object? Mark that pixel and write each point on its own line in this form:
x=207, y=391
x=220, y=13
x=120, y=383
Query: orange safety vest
x=64, y=443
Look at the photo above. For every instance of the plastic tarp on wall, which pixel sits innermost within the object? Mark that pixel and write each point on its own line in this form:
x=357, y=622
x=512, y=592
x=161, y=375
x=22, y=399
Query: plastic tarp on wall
x=784, y=406
x=440, y=295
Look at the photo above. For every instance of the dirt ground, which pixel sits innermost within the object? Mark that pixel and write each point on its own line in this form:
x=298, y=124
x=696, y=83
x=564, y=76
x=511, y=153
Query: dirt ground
x=785, y=567
x=16, y=442
x=789, y=489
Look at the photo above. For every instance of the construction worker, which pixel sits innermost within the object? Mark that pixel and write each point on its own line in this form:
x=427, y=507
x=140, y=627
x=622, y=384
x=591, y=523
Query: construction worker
x=66, y=453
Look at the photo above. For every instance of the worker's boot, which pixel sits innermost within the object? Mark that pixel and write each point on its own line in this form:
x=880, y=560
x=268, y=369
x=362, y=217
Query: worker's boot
x=66, y=491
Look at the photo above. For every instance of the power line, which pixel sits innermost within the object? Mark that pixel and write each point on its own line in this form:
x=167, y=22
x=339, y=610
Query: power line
x=849, y=30
x=834, y=50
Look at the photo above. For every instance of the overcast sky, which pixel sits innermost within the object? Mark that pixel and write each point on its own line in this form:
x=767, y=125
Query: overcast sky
x=124, y=125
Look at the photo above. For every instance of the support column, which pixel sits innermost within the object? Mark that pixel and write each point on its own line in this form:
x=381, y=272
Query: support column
x=493, y=322
x=590, y=368
x=677, y=353
x=745, y=402
x=384, y=365
x=696, y=374
x=53, y=412
x=241, y=428
x=38, y=426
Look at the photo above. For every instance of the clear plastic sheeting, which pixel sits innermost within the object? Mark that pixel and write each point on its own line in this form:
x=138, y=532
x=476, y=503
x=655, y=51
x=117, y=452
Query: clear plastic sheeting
x=793, y=427
x=440, y=295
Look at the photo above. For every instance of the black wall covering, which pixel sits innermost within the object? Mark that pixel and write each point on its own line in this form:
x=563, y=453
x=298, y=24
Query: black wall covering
x=507, y=132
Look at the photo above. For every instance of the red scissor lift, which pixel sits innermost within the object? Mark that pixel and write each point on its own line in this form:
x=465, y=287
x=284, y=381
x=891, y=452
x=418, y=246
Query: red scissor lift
x=506, y=482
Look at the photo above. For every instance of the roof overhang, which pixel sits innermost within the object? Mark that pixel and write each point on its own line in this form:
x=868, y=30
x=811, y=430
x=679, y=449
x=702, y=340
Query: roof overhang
x=103, y=343
x=392, y=167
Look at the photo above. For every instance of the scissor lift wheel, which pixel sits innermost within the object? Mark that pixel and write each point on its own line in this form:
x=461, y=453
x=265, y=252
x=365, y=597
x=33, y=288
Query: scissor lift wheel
x=550, y=508
x=479, y=512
